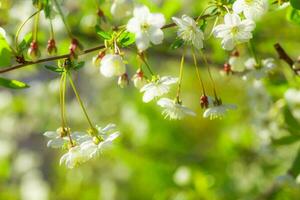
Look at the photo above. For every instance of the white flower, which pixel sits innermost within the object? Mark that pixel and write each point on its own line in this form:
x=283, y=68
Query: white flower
x=146, y=27
x=252, y=9
x=258, y=72
x=73, y=157
x=234, y=31
x=189, y=31
x=139, y=80
x=292, y=97
x=174, y=110
x=93, y=145
x=157, y=88
x=121, y=8
x=112, y=65
x=56, y=141
x=218, y=111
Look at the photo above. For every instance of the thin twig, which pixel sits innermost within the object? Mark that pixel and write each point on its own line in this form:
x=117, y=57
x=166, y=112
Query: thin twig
x=28, y=63
x=285, y=57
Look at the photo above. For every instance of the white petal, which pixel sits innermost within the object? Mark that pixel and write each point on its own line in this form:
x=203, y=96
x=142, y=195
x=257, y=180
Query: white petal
x=133, y=25
x=156, y=36
x=142, y=41
x=232, y=19
x=238, y=6
x=51, y=134
x=141, y=12
x=157, y=20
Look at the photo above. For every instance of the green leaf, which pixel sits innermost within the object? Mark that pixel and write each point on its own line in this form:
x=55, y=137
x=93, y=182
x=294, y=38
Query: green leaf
x=126, y=39
x=12, y=84
x=177, y=44
x=294, y=16
x=5, y=52
x=292, y=123
x=78, y=65
x=286, y=140
x=47, y=9
x=295, y=4
x=104, y=35
x=295, y=168
x=25, y=42
x=54, y=69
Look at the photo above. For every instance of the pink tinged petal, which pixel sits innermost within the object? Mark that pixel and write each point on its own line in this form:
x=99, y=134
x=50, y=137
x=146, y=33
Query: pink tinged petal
x=142, y=41
x=232, y=19
x=156, y=36
x=157, y=20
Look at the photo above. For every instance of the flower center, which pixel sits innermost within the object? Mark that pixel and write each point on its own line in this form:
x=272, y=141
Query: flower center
x=234, y=30
x=145, y=26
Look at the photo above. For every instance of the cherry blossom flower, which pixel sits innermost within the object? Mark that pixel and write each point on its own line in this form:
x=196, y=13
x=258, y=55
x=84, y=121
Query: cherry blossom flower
x=189, y=31
x=234, y=31
x=157, y=88
x=173, y=109
x=73, y=157
x=139, y=80
x=112, y=65
x=146, y=27
x=252, y=9
x=256, y=71
x=92, y=145
x=218, y=110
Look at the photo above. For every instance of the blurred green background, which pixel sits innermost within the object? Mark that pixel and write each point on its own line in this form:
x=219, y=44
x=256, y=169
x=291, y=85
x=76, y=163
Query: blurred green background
x=238, y=158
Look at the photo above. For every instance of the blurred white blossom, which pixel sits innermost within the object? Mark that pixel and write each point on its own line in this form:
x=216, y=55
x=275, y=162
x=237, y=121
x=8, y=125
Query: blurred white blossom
x=112, y=65
x=218, y=111
x=121, y=8
x=252, y=9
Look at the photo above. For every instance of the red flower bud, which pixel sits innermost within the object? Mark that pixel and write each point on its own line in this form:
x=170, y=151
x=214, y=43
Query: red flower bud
x=75, y=49
x=227, y=68
x=204, y=101
x=51, y=47
x=33, y=51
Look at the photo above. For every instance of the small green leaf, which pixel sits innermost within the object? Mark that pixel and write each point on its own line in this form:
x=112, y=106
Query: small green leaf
x=25, y=42
x=294, y=16
x=295, y=168
x=54, y=69
x=5, y=52
x=126, y=39
x=177, y=44
x=12, y=84
x=286, y=140
x=104, y=35
x=78, y=65
x=295, y=4
x=292, y=123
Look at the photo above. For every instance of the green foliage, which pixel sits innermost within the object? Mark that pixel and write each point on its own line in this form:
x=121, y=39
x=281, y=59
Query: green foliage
x=292, y=123
x=294, y=16
x=177, y=44
x=126, y=39
x=5, y=52
x=12, y=84
x=24, y=44
x=295, y=4
x=103, y=34
x=295, y=168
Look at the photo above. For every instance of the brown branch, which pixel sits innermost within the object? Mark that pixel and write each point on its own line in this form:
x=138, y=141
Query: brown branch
x=285, y=57
x=28, y=63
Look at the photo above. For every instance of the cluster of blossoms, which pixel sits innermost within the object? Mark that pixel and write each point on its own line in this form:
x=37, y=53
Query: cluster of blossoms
x=81, y=146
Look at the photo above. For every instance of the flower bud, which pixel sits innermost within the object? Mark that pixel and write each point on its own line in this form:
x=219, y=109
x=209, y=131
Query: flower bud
x=75, y=49
x=97, y=59
x=51, y=47
x=236, y=62
x=139, y=79
x=227, y=68
x=112, y=65
x=204, y=102
x=33, y=51
x=123, y=80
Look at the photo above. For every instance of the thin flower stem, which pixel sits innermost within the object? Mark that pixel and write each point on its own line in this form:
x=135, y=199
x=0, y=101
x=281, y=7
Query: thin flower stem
x=147, y=65
x=63, y=18
x=180, y=76
x=80, y=101
x=51, y=29
x=198, y=72
x=36, y=26
x=21, y=27
x=62, y=99
x=210, y=75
